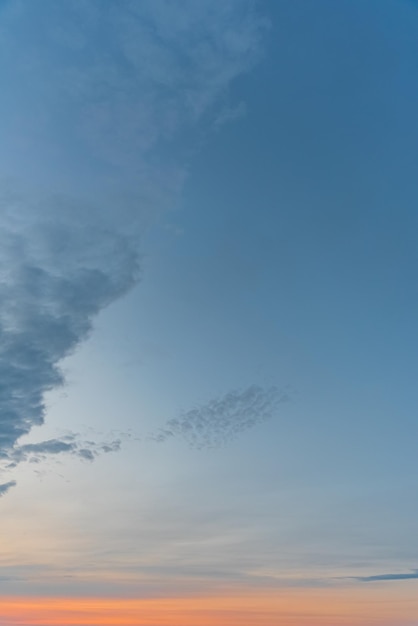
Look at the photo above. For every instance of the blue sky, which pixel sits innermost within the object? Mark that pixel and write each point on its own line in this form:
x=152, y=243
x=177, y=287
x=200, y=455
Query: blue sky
x=209, y=216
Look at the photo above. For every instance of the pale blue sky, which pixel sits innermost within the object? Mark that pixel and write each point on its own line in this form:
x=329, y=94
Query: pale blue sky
x=276, y=249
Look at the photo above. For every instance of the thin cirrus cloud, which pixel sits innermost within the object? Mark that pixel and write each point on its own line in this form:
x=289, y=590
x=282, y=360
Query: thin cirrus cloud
x=388, y=577
x=123, y=78
x=122, y=86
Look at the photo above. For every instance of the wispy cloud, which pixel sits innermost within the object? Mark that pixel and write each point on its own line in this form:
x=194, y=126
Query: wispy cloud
x=219, y=421
x=387, y=577
x=124, y=76
x=70, y=444
x=118, y=87
x=4, y=487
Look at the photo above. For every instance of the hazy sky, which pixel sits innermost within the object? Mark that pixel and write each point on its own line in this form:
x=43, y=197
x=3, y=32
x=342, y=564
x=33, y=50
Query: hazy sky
x=208, y=312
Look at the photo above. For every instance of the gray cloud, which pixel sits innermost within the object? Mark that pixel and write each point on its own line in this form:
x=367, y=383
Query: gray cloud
x=58, y=269
x=387, y=577
x=70, y=444
x=115, y=89
x=222, y=419
x=4, y=488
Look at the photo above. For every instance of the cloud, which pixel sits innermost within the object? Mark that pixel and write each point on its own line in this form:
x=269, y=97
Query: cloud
x=111, y=96
x=222, y=419
x=59, y=268
x=120, y=78
x=4, y=488
x=387, y=577
x=70, y=444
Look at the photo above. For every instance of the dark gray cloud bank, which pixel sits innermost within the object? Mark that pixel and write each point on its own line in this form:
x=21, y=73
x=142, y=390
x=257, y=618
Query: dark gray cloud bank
x=123, y=88
x=57, y=272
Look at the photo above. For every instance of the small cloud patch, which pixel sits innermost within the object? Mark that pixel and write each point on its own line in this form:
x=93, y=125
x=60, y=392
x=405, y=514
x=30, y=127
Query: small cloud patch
x=222, y=419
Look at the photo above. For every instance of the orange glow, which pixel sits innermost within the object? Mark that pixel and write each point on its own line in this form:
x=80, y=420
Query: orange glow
x=367, y=606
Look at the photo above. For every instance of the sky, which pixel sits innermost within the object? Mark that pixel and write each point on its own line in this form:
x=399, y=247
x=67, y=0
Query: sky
x=208, y=305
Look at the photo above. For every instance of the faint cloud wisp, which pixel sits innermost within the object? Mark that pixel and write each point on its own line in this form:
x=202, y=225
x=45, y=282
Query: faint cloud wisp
x=222, y=419
x=388, y=577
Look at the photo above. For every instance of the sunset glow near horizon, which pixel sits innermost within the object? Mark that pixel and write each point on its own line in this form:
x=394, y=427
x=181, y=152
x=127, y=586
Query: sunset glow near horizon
x=248, y=608
x=208, y=347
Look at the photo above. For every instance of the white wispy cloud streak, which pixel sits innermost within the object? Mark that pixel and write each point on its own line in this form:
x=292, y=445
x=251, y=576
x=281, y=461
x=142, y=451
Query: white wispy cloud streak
x=118, y=92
